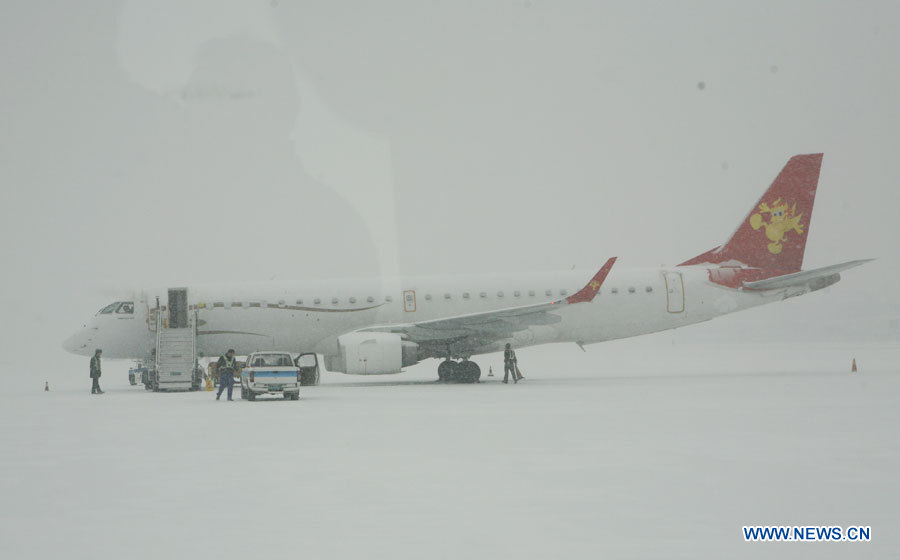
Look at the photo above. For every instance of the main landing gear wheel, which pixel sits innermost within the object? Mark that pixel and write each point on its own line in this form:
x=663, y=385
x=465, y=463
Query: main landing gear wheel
x=459, y=372
x=468, y=372
x=446, y=371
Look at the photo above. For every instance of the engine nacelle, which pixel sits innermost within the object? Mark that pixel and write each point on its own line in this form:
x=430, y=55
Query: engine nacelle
x=374, y=353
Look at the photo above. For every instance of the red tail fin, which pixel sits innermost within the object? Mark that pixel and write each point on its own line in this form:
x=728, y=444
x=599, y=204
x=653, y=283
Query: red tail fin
x=773, y=235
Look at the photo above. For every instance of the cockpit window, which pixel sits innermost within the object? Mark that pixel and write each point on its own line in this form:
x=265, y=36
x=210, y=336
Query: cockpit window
x=126, y=307
x=110, y=308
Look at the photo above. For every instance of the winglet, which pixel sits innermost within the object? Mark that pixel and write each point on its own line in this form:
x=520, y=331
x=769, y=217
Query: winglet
x=590, y=290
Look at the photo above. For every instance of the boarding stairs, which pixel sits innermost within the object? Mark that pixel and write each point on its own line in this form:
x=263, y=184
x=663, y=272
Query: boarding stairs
x=176, y=356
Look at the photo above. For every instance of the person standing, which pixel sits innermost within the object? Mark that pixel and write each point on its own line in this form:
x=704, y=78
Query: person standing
x=509, y=364
x=225, y=370
x=95, y=372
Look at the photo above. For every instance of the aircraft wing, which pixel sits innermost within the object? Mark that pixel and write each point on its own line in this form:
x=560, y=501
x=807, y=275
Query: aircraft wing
x=478, y=329
x=803, y=277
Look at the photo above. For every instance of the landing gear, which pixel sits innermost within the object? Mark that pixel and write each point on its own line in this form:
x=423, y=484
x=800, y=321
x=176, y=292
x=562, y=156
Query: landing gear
x=468, y=372
x=446, y=371
x=459, y=372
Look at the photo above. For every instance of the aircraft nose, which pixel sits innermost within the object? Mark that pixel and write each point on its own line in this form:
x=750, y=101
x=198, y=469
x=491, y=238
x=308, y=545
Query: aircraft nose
x=78, y=343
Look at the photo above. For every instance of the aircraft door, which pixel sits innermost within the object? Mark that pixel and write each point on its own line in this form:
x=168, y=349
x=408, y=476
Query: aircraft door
x=674, y=292
x=178, y=308
x=409, y=301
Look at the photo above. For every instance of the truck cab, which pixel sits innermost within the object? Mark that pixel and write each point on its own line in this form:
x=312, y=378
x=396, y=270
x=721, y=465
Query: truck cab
x=270, y=373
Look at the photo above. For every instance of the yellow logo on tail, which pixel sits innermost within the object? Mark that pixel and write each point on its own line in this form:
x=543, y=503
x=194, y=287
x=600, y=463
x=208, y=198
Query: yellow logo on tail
x=781, y=221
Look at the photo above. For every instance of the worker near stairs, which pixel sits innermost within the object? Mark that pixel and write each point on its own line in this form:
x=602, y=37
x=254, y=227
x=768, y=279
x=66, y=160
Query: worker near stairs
x=95, y=372
x=509, y=364
x=225, y=369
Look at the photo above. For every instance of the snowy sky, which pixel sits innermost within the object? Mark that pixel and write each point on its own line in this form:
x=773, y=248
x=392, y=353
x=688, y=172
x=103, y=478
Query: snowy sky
x=173, y=142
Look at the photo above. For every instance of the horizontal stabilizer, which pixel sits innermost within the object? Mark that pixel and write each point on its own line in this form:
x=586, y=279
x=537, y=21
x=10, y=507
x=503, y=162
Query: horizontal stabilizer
x=801, y=278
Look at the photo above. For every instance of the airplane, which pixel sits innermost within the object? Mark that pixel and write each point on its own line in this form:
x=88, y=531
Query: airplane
x=381, y=325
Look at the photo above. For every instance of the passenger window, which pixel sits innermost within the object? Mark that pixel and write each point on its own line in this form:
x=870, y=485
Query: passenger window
x=548, y=293
x=631, y=290
x=428, y=297
x=563, y=292
x=649, y=289
x=465, y=295
x=370, y=299
x=615, y=290
x=317, y=301
x=483, y=294
x=446, y=296
x=499, y=294
x=530, y=293
x=353, y=300
x=299, y=302
x=389, y=299
x=127, y=307
x=334, y=301
x=516, y=293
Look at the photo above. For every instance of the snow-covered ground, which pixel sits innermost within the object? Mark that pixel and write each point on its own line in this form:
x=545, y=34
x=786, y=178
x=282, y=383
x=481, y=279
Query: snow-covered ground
x=631, y=450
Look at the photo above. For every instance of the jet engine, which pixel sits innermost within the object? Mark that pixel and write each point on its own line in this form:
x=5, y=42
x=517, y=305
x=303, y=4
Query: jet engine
x=373, y=353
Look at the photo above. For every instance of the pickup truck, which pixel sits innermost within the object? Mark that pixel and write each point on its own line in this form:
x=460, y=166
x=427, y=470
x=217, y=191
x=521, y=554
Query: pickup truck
x=270, y=373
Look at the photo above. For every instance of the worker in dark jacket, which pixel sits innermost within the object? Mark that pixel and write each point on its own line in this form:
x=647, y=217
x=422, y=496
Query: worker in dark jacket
x=95, y=372
x=509, y=364
x=225, y=369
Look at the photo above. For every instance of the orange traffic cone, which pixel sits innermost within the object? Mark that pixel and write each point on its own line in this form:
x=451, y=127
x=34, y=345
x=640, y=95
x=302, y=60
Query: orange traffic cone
x=853, y=367
x=490, y=371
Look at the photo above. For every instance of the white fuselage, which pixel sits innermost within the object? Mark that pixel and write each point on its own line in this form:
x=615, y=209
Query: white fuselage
x=309, y=317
